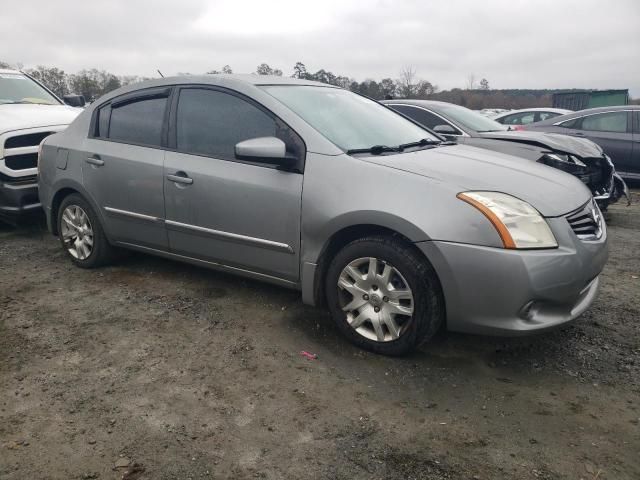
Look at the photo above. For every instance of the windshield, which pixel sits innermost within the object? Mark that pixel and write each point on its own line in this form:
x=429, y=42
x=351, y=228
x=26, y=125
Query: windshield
x=348, y=120
x=18, y=88
x=470, y=119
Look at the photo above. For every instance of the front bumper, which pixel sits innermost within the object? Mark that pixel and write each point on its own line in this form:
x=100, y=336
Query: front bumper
x=495, y=291
x=18, y=197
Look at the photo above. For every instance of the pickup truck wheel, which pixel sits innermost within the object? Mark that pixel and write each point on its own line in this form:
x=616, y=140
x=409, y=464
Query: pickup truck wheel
x=384, y=296
x=81, y=233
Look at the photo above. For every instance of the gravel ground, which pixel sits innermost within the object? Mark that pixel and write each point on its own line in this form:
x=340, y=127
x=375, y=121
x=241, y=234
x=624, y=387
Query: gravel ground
x=159, y=370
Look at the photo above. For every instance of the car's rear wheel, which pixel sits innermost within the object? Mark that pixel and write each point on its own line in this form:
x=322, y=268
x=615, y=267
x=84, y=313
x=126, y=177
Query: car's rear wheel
x=384, y=295
x=81, y=233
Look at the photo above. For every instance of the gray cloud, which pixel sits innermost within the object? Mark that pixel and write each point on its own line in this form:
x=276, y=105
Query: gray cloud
x=513, y=43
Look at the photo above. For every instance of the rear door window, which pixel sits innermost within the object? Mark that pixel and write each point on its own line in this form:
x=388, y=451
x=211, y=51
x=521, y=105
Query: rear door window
x=138, y=122
x=614, y=122
x=522, y=118
x=547, y=115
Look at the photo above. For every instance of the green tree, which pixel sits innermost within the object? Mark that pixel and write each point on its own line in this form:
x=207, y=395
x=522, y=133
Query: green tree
x=226, y=69
x=264, y=69
x=51, y=77
x=484, y=84
x=388, y=88
x=300, y=71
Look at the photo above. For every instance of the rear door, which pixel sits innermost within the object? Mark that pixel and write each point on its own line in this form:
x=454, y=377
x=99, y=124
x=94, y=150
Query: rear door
x=224, y=210
x=613, y=132
x=123, y=167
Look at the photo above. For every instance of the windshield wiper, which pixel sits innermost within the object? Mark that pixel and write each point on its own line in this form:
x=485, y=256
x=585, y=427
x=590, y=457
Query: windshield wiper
x=375, y=150
x=420, y=143
x=380, y=149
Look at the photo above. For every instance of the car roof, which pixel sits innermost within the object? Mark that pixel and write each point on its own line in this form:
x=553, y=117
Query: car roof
x=240, y=82
x=423, y=103
x=8, y=70
x=561, y=111
x=227, y=80
x=587, y=111
x=538, y=109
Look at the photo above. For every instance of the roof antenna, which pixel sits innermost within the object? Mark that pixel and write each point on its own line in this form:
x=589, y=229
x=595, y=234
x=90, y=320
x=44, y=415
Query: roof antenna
x=160, y=73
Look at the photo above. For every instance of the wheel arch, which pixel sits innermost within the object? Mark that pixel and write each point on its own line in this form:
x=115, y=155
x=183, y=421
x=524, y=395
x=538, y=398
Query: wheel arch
x=63, y=190
x=342, y=237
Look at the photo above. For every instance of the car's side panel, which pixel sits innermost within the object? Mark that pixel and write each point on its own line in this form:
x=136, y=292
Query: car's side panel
x=127, y=185
x=365, y=193
x=235, y=213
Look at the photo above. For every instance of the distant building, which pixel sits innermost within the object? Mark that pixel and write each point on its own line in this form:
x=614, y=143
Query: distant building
x=581, y=99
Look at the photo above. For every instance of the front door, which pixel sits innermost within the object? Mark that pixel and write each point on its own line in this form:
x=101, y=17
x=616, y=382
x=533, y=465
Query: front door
x=239, y=214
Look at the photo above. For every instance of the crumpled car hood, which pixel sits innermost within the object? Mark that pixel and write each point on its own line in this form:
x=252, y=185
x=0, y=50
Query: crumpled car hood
x=549, y=190
x=581, y=147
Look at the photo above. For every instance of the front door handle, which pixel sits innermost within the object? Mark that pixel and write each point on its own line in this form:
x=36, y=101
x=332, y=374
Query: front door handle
x=95, y=161
x=180, y=177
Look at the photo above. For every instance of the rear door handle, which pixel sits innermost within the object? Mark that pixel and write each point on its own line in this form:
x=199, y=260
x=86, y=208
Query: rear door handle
x=180, y=177
x=579, y=134
x=95, y=161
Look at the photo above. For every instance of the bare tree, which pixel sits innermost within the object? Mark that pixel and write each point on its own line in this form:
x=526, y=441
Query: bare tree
x=471, y=81
x=407, y=82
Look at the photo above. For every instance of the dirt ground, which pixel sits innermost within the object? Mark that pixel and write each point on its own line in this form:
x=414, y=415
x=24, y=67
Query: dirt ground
x=159, y=370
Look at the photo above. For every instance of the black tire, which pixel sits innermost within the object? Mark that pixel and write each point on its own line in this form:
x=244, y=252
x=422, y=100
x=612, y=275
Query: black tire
x=428, y=301
x=102, y=252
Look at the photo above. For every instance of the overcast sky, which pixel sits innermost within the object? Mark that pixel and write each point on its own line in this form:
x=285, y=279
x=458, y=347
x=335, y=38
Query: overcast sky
x=512, y=43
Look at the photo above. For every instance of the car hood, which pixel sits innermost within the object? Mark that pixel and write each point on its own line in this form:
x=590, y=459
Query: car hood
x=20, y=116
x=549, y=190
x=580, y=147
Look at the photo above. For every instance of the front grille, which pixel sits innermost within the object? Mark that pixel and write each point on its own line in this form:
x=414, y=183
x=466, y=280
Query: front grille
x=22, y=162
x=586, y=222
x=19, y=150
x=29, y=140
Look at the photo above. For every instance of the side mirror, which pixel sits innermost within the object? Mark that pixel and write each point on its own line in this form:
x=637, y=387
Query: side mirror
x=263, y=149
x=74, y=100
x=445, y=130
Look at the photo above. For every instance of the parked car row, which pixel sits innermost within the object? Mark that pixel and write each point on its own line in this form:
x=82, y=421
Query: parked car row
x=615, y=129
x=579, y=157
x=309, y=186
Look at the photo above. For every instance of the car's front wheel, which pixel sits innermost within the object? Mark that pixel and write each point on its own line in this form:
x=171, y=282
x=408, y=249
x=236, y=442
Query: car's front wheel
x=81, y=233
x=384, y=296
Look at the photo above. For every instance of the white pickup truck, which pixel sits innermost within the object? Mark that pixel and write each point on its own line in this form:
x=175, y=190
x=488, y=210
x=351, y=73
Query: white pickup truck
x=29, y=112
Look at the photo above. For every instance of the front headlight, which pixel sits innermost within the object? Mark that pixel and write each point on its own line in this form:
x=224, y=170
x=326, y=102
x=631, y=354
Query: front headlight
x=518, y=223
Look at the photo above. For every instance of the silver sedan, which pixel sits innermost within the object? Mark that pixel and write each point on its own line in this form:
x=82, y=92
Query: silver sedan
x=315, y=188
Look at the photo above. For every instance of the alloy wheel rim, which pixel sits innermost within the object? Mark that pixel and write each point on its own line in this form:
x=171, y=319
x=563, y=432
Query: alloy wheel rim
x=376, y=298
x=77, y=233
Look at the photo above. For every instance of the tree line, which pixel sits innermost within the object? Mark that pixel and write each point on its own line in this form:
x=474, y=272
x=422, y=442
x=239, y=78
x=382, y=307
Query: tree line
x=92, y=83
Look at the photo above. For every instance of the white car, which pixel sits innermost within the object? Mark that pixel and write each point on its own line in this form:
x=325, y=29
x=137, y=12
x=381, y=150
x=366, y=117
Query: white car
x=29, y=112
x=528, y=115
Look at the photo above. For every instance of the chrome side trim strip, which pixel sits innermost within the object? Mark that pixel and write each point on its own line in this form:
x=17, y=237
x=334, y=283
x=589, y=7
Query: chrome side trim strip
x=281, y=247
x=214, y=265
x=126, y=213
